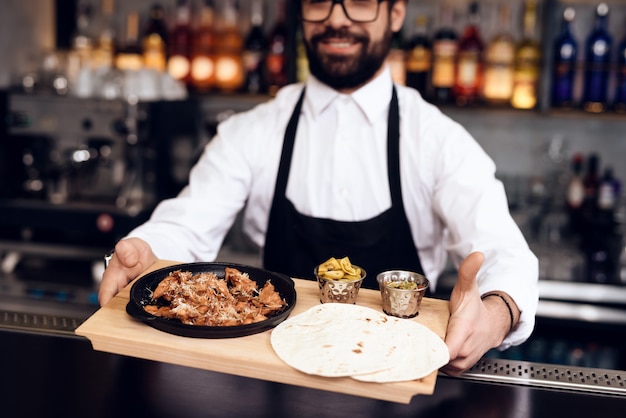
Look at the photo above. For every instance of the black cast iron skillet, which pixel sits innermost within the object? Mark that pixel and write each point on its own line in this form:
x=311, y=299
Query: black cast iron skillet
x=141, y=295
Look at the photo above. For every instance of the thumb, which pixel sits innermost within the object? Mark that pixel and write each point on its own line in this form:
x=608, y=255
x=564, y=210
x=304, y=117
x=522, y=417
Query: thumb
x=469, y=269
x=134, y=254
x=127, y=253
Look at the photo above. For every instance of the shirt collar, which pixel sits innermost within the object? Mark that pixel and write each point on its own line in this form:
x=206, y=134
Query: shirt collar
x=373, y=98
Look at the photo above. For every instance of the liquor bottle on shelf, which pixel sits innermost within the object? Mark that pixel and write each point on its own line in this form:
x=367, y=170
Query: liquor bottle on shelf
x=396, y=59
x=602, y=241
x=622, y=267
x=591, y=182
x=154, y=40
x=469, y=64
x=179, y=61
x=620, y=90
x=419, y=56
x=575, y=193
x=608, y=191
x=128, y=56
x=255, y=48
x=229, y=69
x=276, y=59
x=81, y=53
x=202, y=76
x=565, y=56
x=104, y=53
x=499, y=59
x=527, y=62
x=597, y=62
x=445, y=48
x=302, y=60
x=82, y=42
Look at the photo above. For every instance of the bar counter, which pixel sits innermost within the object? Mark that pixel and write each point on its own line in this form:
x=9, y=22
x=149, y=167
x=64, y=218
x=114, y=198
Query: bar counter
x=46, y=375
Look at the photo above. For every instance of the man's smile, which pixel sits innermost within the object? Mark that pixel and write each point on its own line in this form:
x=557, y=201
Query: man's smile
x=338, y=46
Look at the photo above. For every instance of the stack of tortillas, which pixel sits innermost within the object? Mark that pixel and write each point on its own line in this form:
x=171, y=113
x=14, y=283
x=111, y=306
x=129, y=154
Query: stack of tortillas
x=337, y=339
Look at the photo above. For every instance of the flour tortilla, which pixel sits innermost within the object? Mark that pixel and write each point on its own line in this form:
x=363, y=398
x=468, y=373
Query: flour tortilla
x=421, y=353
x=349, y=340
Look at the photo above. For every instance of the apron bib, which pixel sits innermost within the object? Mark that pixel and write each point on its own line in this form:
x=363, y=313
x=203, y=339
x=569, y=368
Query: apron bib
x=296, y=243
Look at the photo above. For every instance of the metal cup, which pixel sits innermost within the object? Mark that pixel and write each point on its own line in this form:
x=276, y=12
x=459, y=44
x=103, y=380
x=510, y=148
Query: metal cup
x=403, y=303
x=339, y=291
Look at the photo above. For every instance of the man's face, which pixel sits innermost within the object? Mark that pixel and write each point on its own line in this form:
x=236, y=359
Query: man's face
x=345, y=55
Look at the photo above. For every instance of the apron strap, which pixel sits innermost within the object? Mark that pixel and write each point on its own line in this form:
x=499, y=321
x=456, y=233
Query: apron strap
x=393, y=152
x=285, y=158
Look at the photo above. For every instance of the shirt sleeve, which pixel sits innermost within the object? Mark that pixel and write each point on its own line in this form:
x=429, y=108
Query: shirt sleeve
x=472, y=203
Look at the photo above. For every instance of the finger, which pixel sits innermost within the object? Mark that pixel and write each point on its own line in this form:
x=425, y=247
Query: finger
x=113, y=280
x=454, y=341
x=135, y=255
x=132, y=256
x=127, y=252
x=455, y=368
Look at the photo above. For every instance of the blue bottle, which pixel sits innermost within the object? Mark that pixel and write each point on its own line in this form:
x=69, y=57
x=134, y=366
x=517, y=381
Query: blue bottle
x=620, y=93
x=565, y=54
x=597, y=63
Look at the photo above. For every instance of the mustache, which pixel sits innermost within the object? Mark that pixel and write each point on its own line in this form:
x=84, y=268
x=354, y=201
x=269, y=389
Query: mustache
x=342, y=33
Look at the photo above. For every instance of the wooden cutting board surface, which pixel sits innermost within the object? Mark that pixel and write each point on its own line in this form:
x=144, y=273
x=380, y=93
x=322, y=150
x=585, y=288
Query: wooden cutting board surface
x=112, y=330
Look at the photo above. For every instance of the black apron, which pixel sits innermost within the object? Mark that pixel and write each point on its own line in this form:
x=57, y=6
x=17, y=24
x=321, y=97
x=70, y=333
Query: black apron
x=296, y=243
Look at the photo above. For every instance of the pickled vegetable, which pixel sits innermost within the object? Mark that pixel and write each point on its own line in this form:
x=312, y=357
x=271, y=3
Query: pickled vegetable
x=341, y=269
x=403, y=285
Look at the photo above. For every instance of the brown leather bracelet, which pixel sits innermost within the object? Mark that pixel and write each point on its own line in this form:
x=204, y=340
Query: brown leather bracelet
x=506, y=302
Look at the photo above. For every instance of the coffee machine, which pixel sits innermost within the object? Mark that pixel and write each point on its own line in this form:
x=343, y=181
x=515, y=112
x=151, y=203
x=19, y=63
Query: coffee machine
x=78, y=174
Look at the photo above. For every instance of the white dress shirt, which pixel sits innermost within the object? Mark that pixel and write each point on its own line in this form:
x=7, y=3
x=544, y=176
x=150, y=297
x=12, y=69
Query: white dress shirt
x=452, y=200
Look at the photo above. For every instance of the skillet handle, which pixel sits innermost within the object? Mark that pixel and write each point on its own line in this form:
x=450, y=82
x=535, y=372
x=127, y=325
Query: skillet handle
x=138, y=313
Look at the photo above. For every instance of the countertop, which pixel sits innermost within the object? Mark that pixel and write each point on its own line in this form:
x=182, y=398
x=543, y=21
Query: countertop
x=47, y=375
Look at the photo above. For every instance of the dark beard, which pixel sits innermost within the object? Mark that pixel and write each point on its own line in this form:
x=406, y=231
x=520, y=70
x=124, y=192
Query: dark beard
x=340, y=72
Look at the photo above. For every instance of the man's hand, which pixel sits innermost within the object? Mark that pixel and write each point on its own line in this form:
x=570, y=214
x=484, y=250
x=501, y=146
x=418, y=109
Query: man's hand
x=132, y=256
x=475, y=326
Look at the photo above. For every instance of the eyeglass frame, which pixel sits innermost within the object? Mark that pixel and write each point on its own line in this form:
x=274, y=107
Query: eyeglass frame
x=345, y=12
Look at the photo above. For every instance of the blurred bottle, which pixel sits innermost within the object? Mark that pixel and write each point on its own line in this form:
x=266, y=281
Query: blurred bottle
x=499, y=58
x=591, y=181
x=229, y=70
x=527, y=62
x=575, y=193
x=179, y=61
x=82, y=42
x=203, y=50
x=129, y=55
x=469, y=64
x=396, y=59
x=276, y=60
x=608, y=192
x=302, y=60
x=622, y=265
x=105, y=50
x=419, y=56
x=255, y=48
x=154, y=40
x=620, y=91
x=81, y=54
x=445, y=48
x=565, y=55
x=597, y=62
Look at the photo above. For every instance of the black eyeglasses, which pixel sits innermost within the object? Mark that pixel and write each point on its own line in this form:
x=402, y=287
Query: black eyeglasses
x=358, y=11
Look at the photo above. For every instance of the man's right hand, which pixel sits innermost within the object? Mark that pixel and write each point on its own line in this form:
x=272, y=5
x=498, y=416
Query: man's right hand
x=131, y=257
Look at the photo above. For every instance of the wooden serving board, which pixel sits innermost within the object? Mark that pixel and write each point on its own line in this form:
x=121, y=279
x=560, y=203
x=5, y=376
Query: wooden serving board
x=112, y=330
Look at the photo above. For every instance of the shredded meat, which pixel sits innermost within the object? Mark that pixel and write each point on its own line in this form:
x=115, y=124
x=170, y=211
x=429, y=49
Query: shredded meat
x=206, y=299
